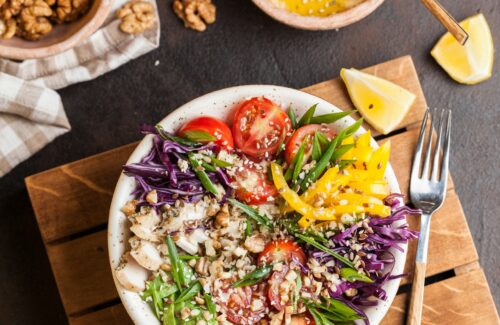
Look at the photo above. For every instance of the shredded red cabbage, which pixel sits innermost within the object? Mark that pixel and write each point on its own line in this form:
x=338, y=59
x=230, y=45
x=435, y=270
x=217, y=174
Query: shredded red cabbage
x=376, y=238
x=158, y=170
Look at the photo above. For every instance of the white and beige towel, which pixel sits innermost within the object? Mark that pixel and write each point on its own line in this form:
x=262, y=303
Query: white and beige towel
x=31, y=112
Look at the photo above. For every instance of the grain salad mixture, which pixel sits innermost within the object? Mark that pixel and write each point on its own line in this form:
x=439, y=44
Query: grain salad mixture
x=276, y=220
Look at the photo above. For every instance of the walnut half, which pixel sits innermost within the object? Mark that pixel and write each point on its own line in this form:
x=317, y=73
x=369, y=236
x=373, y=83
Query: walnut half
x=196, y=14
x=137, y=16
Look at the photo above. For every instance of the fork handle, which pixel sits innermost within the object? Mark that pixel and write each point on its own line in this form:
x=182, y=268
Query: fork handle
x=417, y=295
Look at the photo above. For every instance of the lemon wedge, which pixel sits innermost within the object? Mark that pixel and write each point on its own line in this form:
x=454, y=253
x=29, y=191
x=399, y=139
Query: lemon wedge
x=472, y=62
x=382, y=103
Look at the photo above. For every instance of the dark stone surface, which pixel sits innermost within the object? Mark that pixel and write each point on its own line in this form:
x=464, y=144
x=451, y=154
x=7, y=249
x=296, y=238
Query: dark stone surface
x=247, y=47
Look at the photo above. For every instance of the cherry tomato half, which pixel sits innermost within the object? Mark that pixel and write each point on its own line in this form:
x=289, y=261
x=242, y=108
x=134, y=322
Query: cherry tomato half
x=302, y=320
x=259, y=127
x=238, y=307
x=252, y=185
x=212, y=126
x=299, y=136
x=281, y=251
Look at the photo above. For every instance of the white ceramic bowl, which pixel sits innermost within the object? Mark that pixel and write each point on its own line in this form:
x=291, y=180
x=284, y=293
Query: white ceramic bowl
x=220, y=104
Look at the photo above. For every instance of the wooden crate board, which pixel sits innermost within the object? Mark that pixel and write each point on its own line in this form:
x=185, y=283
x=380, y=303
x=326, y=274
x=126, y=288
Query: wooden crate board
x=76, y=240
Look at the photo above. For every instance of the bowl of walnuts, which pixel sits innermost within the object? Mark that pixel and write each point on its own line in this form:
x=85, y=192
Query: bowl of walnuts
x=31, y=29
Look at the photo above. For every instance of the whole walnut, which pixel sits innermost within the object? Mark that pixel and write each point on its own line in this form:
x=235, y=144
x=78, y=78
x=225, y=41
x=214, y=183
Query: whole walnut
x=33, y=20
x=70, y=10
x=195, y=13
x=137, y=16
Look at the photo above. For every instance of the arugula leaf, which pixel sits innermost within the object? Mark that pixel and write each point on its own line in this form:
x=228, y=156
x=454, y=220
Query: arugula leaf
x=306, y=118
x=252, y=213
x=198, y=136
x=253, y=277
x=352, y=275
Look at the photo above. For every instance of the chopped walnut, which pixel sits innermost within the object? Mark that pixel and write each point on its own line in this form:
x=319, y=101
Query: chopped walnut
x=7, y=28
x=196, y=14
x=137, y=16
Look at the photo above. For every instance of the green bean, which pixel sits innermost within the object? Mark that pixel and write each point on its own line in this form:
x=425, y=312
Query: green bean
x=218, y=162
x=252, y=213
x=306, y=118
x=292, y=117
x=323, y=140
x=300, y=160
x=341, y=151
x=254, y=277
x=289, y=172
x=353, y=275
x=329, y=118
x=166, y=136
x=208, y=167
x=316, y=149
x=202, y=176
x=190, y=292
x=174, y=263
x=248, y=228
x=198, y=136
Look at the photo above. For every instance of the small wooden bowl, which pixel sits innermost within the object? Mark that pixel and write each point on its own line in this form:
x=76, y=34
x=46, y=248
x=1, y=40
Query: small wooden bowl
x=61, y=38
x=333, y=21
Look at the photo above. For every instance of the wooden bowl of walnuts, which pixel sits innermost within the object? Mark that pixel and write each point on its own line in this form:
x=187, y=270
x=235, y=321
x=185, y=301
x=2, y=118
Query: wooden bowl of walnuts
x=32, y=29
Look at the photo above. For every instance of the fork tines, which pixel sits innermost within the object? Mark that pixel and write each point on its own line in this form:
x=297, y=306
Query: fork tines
x=441, y=120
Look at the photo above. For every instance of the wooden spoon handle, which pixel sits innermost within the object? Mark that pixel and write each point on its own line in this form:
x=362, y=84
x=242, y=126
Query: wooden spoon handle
x=417, y=295
x=447, y=20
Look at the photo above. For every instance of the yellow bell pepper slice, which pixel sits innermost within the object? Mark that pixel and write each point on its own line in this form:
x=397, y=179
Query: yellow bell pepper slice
x=354, y=198
x=379, y=160
x=291, y=197
x=364, y=140
x=378, y=210
x=328, y=183
x=378, y=189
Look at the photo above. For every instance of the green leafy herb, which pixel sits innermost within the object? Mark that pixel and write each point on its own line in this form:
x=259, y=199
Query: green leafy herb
x=352, y=275
x=202, y=176
x=252, y=213
x=254, y=277
x=329, y=118
x=332, y=311
x=325, y=249
x=167, y=136
x=316, y=148
x=293, y=117
x=198, y=136
x=341, y=151
x=190, y=292
x=174, y=262
x=306, y=118
x=156, y=291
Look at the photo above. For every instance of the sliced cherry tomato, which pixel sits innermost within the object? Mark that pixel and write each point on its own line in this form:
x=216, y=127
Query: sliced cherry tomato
x=275, y=292
x=299, y=136
x=252, y=185
x=259, y=127
x=212, y=126
x=281, y=251
x=238, y=308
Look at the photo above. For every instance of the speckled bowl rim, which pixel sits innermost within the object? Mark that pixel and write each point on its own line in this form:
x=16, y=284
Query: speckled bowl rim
x=220, y=104
x=333, y=21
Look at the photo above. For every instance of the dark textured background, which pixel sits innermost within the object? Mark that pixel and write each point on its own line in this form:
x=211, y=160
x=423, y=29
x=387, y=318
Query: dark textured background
x=247, y=47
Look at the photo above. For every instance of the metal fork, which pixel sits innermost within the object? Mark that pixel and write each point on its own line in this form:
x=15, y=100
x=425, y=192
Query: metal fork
x=427, y=193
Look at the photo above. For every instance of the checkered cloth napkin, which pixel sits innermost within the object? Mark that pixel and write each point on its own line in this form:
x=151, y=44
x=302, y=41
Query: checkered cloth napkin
x=31, y=112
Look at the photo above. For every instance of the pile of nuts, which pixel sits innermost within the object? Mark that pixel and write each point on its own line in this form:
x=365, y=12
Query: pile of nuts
x=137, y=16
x=195, y=13
x=32, y=19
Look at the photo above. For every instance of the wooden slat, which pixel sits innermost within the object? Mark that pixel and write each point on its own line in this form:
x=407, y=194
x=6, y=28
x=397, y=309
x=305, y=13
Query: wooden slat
x=108, y=316
x=401, y=71
x=450, y=241
x=461, y=300
x=82, y=190
x=82, y=272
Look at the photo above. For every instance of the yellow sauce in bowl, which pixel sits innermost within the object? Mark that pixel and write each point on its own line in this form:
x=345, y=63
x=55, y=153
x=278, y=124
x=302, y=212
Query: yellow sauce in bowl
x=320, y=8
